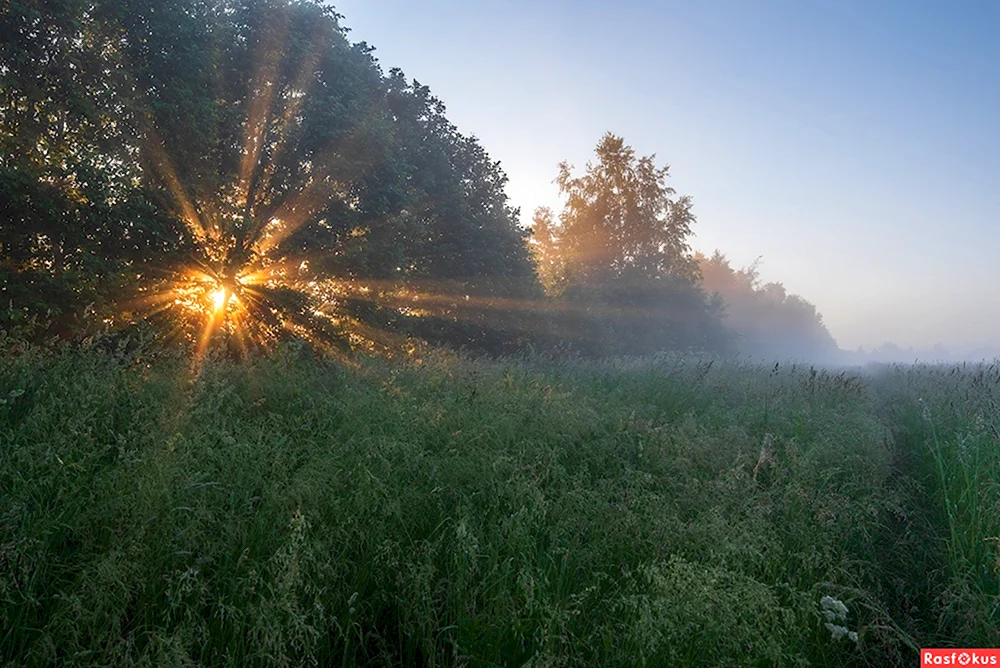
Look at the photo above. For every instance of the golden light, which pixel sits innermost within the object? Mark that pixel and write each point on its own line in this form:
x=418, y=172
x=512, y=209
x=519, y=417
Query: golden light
x=243, y=284
x=219, y=298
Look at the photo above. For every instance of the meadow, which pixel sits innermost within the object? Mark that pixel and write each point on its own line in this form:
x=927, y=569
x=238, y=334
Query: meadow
x=448, y=511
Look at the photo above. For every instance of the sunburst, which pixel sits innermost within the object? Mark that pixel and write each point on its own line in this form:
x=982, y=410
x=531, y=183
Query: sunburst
x=247, y=281
x=240, y=280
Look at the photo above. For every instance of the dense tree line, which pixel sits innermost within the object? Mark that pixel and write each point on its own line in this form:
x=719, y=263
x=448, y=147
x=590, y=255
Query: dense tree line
x=765, y=319
x=240, y=170
x=240, y=138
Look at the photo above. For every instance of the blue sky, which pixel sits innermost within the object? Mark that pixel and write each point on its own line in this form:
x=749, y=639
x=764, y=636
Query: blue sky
x=853, y=146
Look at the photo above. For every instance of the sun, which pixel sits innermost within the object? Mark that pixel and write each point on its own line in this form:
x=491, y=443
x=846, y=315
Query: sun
x=220, y=297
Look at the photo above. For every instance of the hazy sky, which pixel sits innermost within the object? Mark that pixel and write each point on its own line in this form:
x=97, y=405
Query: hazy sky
x=854, y=145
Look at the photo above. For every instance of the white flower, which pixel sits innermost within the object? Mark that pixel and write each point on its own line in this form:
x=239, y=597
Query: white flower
x=835, y=613
x=833, y=609
x=837, y=631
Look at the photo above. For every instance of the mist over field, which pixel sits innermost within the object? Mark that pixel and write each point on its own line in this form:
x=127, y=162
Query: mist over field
x=653, y=346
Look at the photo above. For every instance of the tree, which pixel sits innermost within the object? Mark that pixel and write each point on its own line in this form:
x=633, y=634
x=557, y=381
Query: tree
x=621, y=216
x=628, y=281
x=545, y=251
x=766, y=319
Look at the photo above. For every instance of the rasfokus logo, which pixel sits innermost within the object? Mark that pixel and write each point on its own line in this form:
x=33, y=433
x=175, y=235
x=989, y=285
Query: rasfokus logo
x=960, y=657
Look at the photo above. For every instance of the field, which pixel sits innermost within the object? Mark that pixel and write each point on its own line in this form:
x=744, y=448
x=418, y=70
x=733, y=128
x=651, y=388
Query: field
x=293, y=511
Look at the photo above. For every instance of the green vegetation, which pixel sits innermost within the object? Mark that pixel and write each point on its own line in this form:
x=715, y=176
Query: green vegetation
x=240, y=169
x=187, y=185
x=448, y=511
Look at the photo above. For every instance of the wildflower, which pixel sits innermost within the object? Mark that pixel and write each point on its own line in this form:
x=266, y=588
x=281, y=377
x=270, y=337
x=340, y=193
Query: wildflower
x=833, y=609
x=836, y=631
x=979, y=425
x=925, y=414
x=963, y=447
x=835, y=613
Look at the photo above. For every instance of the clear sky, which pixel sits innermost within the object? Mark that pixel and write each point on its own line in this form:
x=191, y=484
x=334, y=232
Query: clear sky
x=853, y=144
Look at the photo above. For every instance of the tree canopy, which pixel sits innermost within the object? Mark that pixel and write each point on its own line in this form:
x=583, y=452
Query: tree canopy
x=618, y=258
x=238, y=161
x=766, y=319
x=621, y=217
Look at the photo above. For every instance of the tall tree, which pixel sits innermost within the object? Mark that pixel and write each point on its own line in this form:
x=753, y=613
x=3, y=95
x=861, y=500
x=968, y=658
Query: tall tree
x=621, y=215
x=621, y=242
x=545, y=249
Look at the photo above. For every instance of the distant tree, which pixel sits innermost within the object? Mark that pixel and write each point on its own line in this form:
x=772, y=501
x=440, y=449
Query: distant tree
x=621, y=259
x=621, y=215
x=766, y=319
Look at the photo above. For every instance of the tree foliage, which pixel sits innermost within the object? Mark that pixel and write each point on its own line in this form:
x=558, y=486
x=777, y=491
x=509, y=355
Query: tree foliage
x=546, y=252
x=144, y=142
x=621, y=217
x=618, y=259
x=766, y=319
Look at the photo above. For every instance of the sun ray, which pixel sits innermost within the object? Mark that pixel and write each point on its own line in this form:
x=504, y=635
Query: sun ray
x=164, y=168
x=264, y=83
x=296, y=95
x=244, y=283
x=299, y=208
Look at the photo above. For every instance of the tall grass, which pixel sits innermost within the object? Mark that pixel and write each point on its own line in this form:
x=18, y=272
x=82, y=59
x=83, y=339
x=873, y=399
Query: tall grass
x=948, y=417
x=290, y=511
